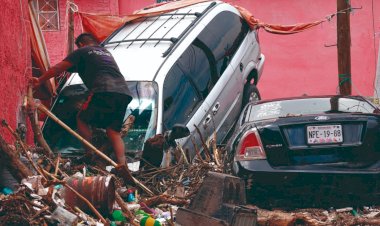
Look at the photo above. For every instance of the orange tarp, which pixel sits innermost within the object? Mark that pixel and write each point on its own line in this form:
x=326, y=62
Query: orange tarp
x=275, y=28
x=103, y=25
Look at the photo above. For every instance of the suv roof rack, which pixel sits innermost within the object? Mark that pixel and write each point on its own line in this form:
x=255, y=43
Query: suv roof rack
x=173, y=40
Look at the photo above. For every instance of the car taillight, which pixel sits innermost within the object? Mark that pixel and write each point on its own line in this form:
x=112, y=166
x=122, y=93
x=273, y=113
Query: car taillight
x=250, y=147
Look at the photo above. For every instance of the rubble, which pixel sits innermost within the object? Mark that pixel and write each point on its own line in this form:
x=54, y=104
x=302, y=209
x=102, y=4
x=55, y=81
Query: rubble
x=48, y=195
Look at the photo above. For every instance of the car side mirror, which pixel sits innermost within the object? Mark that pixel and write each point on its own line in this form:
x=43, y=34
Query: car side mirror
x=178, y=131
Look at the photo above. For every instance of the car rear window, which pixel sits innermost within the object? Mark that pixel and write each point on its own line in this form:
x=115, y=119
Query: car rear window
x=309, y=106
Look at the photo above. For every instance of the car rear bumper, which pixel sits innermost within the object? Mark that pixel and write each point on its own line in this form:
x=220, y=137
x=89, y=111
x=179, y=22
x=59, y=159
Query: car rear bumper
x=343, y=179
x=304, y=187
x=264, y=166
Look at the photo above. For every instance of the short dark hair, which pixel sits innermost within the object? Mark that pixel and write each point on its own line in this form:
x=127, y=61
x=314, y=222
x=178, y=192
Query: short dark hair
x=86, y=38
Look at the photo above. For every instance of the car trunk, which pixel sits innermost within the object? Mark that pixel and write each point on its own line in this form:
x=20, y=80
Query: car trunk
x=290, y=141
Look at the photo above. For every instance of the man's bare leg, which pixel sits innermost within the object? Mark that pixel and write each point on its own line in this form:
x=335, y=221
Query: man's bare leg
x=117, y=144
x=85, y=131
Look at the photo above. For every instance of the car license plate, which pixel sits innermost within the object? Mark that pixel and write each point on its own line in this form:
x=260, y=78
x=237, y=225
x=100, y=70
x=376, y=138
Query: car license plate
x=325, y=134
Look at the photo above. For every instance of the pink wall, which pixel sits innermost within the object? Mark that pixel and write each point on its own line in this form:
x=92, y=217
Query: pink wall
x=127, y=7
x=56, y=41
x=300, y=63
x=295, y=64
x=15, y=62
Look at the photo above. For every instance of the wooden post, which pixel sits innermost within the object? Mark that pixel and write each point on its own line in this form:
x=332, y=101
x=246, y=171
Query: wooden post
x=70, y=31
x=32, y=113
x=344, y=47
x=12, y=160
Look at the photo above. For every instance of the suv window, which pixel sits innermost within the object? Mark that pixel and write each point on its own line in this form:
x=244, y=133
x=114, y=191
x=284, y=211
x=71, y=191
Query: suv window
x=181, y=99
x=223, y=35
x=195, y=64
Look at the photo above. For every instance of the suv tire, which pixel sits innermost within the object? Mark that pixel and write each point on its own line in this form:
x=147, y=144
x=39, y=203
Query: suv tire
x=251, y=93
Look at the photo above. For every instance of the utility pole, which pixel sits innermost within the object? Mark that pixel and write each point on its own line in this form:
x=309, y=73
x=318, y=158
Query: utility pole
x=344, y=46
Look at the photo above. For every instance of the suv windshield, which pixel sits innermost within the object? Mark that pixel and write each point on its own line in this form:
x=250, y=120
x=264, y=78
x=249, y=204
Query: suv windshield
x=143, y=108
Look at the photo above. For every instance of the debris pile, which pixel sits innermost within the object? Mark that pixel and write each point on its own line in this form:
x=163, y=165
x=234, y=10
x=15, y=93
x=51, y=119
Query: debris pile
x=54, y=190
x=80, y=194
x=61, y=191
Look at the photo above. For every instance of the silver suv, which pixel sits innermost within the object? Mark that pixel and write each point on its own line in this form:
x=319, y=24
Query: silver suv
x=196, y=66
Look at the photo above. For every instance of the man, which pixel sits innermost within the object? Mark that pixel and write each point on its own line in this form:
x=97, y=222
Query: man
x=109, y=93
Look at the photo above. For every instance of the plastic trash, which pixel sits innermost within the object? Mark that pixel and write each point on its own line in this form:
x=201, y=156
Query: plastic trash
x=142, y=212
x=354, y=213
x=64, y=217
x=130, y=197
x=133, y=206
x=117, y=215
x=166, y=215
x=58, y=186
x=149, y=221
x=6, y=191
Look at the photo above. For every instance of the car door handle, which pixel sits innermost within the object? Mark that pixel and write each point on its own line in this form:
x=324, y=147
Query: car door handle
x=207, y=120
x=215, y=109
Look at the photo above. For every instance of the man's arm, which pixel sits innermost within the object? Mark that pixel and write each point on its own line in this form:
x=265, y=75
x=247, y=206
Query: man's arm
x=52, y=72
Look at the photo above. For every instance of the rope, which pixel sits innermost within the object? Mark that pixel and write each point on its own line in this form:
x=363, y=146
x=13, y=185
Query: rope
x=345, y=78
x=70, y=5
x=74, y=7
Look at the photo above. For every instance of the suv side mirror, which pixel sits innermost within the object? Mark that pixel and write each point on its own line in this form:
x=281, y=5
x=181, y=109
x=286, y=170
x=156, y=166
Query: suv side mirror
x=178, y=131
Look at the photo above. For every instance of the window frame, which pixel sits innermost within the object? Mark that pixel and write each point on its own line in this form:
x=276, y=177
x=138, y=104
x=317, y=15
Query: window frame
x=40, y=13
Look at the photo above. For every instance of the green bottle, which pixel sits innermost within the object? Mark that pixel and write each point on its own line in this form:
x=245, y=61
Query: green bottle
x=117, y=215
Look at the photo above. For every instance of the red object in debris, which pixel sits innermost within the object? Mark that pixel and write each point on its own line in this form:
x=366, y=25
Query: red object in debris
x=98, y=190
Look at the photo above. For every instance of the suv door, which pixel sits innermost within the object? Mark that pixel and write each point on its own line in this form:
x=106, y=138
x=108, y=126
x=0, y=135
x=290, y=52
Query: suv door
x=224, y=35
x=185, y=88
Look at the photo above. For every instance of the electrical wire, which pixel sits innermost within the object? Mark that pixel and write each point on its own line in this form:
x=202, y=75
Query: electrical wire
x=376, y=94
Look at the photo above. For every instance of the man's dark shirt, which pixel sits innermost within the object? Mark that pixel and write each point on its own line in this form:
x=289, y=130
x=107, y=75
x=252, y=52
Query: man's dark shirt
x=98, y=70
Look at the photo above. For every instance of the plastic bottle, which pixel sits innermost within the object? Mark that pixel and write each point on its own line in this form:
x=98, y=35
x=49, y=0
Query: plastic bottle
x=130, y=197
x=149, y=221
x=7, y=191
x=117, y=215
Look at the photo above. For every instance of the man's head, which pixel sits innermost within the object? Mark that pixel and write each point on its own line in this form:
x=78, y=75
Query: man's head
x=85, y=39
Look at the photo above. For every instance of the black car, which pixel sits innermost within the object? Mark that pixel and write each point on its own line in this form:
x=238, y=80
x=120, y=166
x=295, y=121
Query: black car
x=325, y=145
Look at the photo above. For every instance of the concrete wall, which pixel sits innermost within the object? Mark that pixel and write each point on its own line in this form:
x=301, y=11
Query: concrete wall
x=15, y=62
